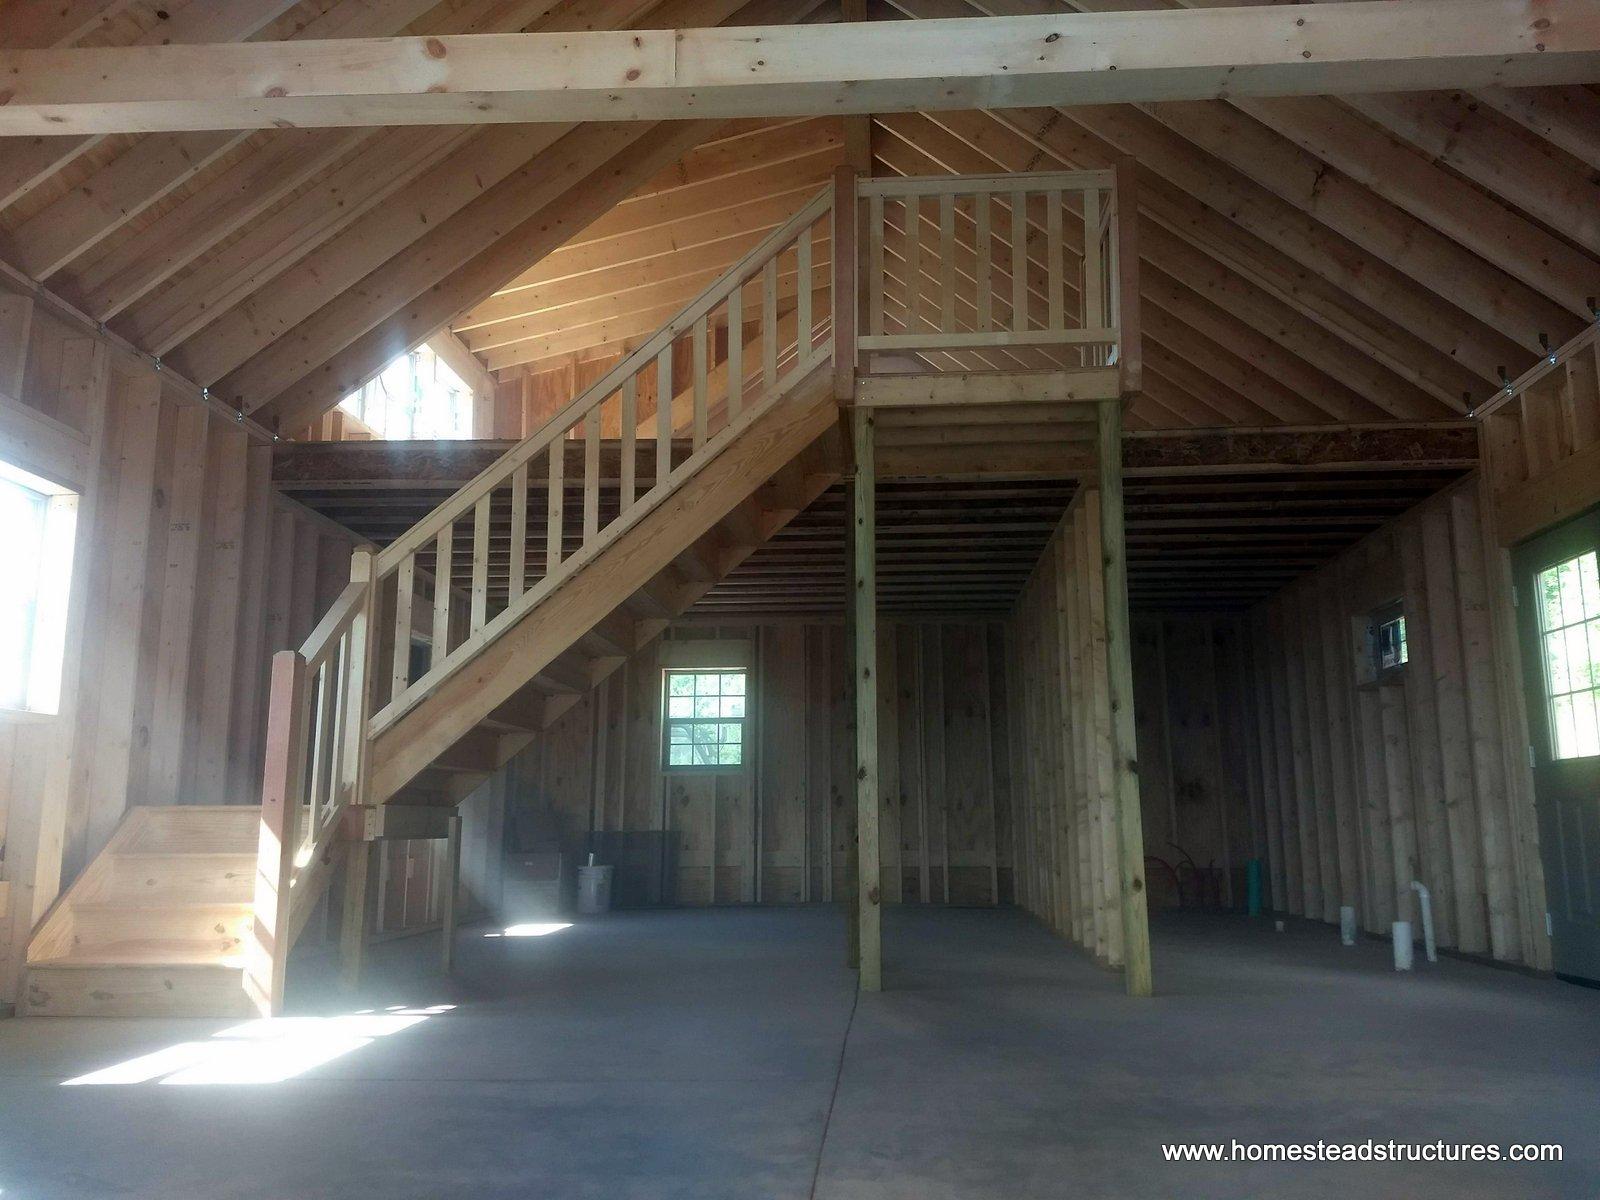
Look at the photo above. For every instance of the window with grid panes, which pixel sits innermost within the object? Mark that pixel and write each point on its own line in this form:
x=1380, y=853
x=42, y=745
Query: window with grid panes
x=704, y=720
x=1569, y=632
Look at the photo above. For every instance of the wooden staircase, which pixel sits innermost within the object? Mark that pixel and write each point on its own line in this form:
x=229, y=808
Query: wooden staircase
x=470, y=633
x=157, y=925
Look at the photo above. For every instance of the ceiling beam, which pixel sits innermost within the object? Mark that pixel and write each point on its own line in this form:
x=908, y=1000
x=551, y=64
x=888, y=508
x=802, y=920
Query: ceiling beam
x=794, y=71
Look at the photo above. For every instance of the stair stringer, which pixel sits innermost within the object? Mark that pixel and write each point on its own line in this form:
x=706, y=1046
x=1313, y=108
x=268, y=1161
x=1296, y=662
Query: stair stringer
x=502, y=667
x=822, y=467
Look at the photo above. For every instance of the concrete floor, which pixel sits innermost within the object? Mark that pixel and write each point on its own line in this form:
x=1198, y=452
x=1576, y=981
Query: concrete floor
x=721, y=1054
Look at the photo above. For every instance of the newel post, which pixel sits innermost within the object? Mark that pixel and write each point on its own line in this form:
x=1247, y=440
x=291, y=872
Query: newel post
x=844, y=283
x=282, y=788
x=359, y=865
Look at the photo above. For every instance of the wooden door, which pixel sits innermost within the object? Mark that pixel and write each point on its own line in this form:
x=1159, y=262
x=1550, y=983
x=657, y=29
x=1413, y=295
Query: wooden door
x=1557, y=579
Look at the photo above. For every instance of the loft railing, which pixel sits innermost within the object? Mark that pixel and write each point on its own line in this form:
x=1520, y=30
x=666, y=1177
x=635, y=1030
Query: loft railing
x=1004, y=263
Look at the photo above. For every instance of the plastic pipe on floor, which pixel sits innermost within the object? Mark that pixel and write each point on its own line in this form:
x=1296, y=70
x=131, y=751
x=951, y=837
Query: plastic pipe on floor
x=1402, y=945
x=1347, y=925
x=1427, y=920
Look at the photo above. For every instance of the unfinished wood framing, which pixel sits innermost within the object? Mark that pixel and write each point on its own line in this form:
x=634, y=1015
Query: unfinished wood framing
x=1410, y=774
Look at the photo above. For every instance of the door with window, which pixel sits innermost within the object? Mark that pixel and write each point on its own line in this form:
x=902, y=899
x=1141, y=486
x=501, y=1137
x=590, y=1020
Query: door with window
x=1558, y=606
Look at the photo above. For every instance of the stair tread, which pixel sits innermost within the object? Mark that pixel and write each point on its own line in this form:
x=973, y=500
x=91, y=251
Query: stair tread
x=167, y=960
x=160, y=906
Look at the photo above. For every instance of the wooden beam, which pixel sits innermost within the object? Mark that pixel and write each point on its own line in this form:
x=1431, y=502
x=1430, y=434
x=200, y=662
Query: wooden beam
x=467, y=365
x=1119, y=661
x=865, y=592
x=788, y=71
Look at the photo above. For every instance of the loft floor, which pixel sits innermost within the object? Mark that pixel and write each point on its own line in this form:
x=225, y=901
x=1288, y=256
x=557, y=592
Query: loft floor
x=698, y=1054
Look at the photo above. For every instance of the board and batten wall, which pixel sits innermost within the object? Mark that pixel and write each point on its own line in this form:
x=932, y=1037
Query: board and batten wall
x=1187, y=692
x=779, y=830
x=1362, y=782
x=189, y=571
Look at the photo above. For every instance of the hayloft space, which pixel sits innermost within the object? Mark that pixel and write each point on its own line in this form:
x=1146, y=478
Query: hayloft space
x=912, y=600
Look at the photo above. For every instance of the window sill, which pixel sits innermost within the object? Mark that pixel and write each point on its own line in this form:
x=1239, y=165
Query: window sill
x=25, y=716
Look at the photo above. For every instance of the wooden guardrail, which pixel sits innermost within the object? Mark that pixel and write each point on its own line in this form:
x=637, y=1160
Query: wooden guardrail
x=315, y=768
x=973, y=263
x=591, y=499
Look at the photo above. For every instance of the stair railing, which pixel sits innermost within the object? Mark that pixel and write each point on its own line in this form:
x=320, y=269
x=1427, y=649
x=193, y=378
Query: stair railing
x=315, y=768
x=465, y=574
x=357, y=672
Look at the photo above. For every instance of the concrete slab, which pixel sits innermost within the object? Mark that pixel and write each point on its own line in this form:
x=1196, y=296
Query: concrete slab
x=696, y=1054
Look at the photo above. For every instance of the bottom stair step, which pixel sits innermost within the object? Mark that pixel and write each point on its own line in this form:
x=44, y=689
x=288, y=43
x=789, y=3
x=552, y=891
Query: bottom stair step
x=96, y=989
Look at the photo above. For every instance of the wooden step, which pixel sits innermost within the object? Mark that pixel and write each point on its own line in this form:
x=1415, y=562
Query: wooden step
x=158, y=933
x=194, y=829
x=155, y=878
x=111, y=989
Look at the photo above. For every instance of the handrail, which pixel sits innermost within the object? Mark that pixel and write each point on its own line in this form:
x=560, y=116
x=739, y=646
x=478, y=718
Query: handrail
x=729, y=383
x=315, y=768
x=457, y=505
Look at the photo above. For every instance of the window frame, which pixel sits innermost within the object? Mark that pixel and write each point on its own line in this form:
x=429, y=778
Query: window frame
x=44, y=660
x=1378, y=620
x=668, y=721
x=1547, y=691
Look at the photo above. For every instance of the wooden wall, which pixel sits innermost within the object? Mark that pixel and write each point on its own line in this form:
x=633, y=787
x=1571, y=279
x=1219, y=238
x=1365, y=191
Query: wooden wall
x=1362, y=784
x=1190, y=688
x=1062, y=756
x=1542, y=446
x=779, y=830
x=189, y=571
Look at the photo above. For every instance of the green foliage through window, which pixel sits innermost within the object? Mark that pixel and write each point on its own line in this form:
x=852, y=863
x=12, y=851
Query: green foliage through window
x=1392, y=650
x=1569, y=629
x=705, y=718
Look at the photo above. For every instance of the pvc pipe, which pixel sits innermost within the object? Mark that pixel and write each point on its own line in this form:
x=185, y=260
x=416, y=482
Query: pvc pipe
x=1402, y=945
x=1427, y=920
x=1347, y=925
x=1252, y=877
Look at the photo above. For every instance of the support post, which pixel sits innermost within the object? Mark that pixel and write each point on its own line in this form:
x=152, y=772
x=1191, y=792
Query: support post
x=359, y=869
x=844, y=284
x=866, y=678
x=1130, y=355
x=1119, y=673
x=852, y=884
x=452, y=890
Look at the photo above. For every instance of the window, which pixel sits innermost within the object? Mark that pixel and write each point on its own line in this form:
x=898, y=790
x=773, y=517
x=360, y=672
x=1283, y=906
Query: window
x=415, y=396
x=37, y=522
x=1569, y=631
x=1392, y=651
x=705, y=719
x=1386, y=639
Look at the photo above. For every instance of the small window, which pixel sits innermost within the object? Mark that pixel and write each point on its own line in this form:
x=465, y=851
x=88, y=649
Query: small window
x=416, y=396
x=705, y=716
x=1569, y=631
x=1392, y=651
x=1387, y=638
x=37, y=523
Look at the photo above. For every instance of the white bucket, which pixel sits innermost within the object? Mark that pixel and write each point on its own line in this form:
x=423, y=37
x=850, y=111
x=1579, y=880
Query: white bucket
x=594, y=890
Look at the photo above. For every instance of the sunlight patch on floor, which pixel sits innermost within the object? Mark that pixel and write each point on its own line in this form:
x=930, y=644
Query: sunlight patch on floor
x=538, y=929
x=268, y=1050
